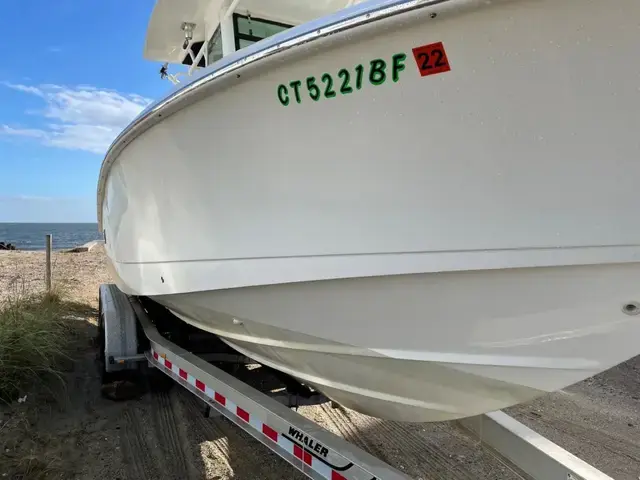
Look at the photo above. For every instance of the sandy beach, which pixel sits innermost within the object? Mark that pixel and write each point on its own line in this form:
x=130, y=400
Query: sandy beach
x=165, y=436
x=79, y=274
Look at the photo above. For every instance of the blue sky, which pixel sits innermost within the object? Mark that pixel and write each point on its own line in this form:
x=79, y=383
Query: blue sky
x=71, y=78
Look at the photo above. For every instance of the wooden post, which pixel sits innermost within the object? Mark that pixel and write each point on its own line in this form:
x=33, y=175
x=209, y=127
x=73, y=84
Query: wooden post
x=47, y=278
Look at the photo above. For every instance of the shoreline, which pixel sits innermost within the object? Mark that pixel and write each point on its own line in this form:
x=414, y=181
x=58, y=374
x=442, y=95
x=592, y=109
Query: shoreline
x=86, y=247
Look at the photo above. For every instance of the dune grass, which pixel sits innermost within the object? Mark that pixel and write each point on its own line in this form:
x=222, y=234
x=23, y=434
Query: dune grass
x=39, y=333
x=44, y=339
x=34, y=338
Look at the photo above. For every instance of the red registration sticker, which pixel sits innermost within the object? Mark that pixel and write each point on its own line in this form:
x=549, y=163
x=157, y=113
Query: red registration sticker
x=431, y=59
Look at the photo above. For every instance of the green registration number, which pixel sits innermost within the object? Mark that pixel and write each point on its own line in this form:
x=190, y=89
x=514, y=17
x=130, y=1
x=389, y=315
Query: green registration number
x=345, y=82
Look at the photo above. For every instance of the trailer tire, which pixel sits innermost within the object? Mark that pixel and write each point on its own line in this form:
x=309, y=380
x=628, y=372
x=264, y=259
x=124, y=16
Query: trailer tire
x=118, y=385
x=105, y=377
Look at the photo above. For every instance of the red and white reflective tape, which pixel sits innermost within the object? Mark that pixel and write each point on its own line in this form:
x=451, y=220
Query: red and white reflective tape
x=299, y=451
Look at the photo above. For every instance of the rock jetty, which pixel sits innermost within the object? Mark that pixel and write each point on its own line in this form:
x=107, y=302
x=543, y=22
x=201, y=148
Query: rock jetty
x=7, y=246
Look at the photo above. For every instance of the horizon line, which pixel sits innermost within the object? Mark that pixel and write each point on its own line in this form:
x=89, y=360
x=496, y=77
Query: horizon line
x=46, y=223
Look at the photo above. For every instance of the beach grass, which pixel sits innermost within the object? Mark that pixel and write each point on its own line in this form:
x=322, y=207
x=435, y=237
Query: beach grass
x=45, y=372
x=34, y=339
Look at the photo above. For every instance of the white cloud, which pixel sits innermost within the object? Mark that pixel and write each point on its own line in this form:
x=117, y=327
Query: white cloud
x=78, y=118
x=24, y=88
x=25, y=198
x=23, y=132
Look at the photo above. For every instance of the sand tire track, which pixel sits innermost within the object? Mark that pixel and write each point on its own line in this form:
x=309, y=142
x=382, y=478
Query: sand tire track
x=137, y=454
x=171, y=436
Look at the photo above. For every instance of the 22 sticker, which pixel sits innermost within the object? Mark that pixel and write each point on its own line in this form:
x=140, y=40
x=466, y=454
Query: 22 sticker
x=430, y=59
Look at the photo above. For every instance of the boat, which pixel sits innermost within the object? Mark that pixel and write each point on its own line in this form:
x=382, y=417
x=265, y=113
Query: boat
x=423, y=209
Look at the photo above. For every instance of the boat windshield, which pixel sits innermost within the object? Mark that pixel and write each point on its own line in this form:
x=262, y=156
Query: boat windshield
x=214, y=47
x=250, y=30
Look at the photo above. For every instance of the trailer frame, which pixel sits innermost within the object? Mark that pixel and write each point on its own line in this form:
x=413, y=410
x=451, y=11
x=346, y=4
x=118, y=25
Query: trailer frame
x=130, y=338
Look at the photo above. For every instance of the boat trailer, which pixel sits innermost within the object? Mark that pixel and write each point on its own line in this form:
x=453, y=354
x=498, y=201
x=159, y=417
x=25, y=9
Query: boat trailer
x=131, y=341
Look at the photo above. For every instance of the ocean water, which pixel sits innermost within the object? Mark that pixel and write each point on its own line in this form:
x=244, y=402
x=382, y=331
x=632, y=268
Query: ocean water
x=31, y=236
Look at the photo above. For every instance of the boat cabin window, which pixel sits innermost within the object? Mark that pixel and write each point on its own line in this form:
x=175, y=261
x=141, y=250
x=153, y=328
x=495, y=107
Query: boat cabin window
x=214, y=47
x=250, y=30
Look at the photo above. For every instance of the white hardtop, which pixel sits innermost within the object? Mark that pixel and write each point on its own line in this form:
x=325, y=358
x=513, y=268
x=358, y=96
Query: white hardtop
x=176, y=24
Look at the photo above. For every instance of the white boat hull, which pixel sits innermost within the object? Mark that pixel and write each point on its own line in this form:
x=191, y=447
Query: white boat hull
x=421, y=249
x=431, y=347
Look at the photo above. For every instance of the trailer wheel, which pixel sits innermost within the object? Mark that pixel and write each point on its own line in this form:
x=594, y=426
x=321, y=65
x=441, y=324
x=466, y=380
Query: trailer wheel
x=116, y=385
x=105, y=377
